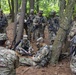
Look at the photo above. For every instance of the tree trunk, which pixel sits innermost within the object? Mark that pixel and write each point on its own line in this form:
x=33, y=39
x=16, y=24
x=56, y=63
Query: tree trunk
x=16, y=6
x=37, y=5
x=12, y=13
x=21, y=21
x=10, y=6
x=65, y=18
x=31, y=4
x=0, y=4
x=26, y=7
x=15, y=20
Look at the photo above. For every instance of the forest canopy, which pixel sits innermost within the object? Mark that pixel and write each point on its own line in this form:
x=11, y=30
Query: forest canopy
x=45, y=5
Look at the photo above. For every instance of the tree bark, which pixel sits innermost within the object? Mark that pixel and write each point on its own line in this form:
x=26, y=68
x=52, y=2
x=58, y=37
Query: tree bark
x=0, y=4
x=9, y=2
x=65, y=18
x=15, y=20
x=12, y=13
x=21, y=21
x=31, y=4
x=37, y=5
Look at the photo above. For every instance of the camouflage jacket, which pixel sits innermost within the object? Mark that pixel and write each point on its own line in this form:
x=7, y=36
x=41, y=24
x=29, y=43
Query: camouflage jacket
x=39, y=20
x=53, y=24
x=8, y=62
x=73, y=63
x=3, y=21
x=41, y=58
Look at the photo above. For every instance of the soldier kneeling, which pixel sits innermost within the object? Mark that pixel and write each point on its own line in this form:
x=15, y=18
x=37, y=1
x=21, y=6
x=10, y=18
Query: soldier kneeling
x=41, y=58
x=24, y=47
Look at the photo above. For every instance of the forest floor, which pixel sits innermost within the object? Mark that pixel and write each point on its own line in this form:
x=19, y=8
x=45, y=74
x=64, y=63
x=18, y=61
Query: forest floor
x=62, y=68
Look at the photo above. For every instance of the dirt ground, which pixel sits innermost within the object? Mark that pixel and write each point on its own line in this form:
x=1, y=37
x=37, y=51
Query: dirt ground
x=62, y=68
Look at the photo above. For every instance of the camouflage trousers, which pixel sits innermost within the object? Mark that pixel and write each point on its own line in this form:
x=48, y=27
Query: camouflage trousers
x=29, y=31
x=30, y=62
x=6, y=71
x=41, y=31
x=27, y=61
x=73, y=64
x=38, y=33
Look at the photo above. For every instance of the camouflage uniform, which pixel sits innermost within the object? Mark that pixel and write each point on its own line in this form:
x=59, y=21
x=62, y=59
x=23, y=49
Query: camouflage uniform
x=24, y=46
x=30, y=25
x=53, y=25
x=41, y=58
x=3, y=38
x=3, y=22
x=73, y=57
x=40, y=23
x=8, y=62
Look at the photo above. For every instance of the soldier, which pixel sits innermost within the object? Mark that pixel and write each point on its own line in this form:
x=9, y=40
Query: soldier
x=24, y=47
x=30, y=23
x=3, y=22
x=9, y=61
x=53, y=23
x=39, y=23
x=41, y=58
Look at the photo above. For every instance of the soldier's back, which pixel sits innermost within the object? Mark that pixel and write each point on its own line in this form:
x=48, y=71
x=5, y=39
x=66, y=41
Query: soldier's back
x=8, y=61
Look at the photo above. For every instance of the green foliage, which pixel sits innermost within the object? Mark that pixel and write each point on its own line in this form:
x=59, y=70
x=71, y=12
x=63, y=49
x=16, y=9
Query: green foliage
x=46, y=5
x=5, y=6
x=49, y=5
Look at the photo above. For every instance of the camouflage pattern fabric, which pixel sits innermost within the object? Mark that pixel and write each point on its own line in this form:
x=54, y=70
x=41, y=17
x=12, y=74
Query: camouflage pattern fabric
x=73, y=64
x=30, y=25
x=3, y=24
x=41, y=23
x=23, y=47
x=8, y=62
x=3, y=36
x=27, y=61
x=41, y=58
x=73, y=29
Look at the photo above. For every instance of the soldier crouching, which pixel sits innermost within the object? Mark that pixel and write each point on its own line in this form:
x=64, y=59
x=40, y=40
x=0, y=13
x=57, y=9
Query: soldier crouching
x=9, y=61
x=41, y=58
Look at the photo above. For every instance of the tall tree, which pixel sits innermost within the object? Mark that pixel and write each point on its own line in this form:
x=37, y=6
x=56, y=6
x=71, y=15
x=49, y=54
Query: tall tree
x=26, y=7
x=0, y=4
x=15, y=19
x=65, y=18
x=12, y=11
x=37, y=5
x=31, y=4
x=9, y=2
x=21, y=21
